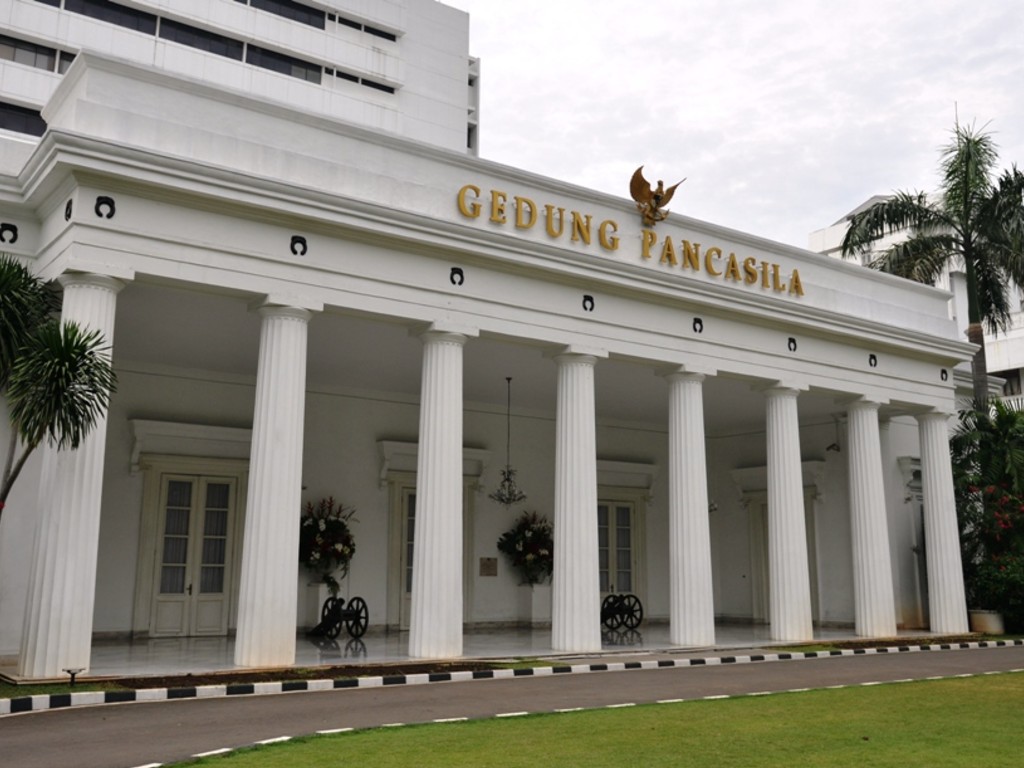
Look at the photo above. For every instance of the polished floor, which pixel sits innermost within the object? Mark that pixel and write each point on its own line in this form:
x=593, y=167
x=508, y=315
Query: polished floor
x=195, y=655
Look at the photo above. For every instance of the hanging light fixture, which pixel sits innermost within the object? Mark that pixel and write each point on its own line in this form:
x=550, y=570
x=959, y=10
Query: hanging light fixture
x=507, y=492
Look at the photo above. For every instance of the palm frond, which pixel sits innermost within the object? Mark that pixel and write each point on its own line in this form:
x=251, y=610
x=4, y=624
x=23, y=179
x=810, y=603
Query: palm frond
x=902, y=211
x=25, y=303
x=967, y=164
x=60, y=385
x=920, y=258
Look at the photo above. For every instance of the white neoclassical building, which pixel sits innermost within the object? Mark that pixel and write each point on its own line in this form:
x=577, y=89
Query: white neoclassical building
x=312, y=287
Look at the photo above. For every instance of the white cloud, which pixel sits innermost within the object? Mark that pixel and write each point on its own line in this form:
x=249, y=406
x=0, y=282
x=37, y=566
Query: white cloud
x=783, y=114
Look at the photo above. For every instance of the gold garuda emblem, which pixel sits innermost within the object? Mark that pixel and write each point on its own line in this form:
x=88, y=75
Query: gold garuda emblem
x=650, y=202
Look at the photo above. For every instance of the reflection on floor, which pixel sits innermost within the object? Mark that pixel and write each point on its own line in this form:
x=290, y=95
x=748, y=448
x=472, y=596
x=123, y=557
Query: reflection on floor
x=178, y=656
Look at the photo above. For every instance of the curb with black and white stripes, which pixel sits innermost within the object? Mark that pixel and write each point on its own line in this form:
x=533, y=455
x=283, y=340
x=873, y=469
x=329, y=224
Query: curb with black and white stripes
x=93, y=698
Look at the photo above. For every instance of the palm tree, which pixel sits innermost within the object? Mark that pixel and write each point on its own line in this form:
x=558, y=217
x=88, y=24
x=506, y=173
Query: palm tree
x=57, y=378
x=973, y=223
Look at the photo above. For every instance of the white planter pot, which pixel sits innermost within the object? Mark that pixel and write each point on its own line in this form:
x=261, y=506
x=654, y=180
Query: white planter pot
x=986, y=622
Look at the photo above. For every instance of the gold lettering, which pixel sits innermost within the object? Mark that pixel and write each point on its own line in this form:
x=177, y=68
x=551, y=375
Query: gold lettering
x=764, y=274
x=709, y=254
x=647, y=239
x=608, y=243
x=795, y=286
x=732, y=271
x=691, y=255
x=668, y=252
x=777, y=282
x=467, y=209
x=498, y=199
x=549, y=223
x=525, y=205
x=750, y=270
x=580, y=227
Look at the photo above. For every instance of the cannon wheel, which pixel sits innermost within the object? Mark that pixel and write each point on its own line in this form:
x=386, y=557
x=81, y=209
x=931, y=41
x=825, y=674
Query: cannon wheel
x=360, y=617
x=632, y=611
x=611, y=615
x=331, y=608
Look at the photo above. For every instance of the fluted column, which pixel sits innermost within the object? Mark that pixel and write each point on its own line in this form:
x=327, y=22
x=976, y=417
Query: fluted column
x=57, y=633
x=575, y=590
x=946, y=601
x=789, y=597
x=691, y=612
x=435, y=629
x=267, y=595
x=874, y=602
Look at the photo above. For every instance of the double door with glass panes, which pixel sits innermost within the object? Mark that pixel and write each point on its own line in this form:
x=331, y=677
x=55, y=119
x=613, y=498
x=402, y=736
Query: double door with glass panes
x=194, y=568
x=616, y=549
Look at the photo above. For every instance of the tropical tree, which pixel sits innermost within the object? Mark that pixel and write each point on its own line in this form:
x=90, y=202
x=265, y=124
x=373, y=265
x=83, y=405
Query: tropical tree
x=57, y=378
x=974, y=223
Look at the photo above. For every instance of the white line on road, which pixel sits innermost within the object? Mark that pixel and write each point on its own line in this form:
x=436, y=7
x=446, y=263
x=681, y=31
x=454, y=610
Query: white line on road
x=276, y=740
x=334, y=730
x=212, y=752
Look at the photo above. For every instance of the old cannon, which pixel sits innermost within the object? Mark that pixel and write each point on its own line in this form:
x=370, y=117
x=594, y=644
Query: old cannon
x=355, y=616
x=622, y=610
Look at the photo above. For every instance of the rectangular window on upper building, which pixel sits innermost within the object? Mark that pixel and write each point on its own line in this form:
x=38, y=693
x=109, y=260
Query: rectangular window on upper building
x=21, y=120
x=201, y=39
x=54, y=3
x=30, y=54
x=287, y=65
x=294, y=11
x=121, y=15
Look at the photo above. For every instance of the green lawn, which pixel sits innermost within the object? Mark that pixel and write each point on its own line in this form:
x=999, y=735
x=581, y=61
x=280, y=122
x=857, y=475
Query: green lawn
x=975, y=721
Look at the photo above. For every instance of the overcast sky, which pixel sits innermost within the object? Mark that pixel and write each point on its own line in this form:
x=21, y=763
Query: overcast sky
x=783, y=115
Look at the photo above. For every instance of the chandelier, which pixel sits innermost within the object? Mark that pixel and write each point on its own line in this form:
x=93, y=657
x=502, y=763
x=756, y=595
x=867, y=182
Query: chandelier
x=507, y=492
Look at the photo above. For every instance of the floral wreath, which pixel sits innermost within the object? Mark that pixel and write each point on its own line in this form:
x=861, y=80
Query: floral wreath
x=530, y=547
x=326, y=544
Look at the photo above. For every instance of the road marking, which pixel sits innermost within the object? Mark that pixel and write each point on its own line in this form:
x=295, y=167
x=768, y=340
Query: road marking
x=619, y=706
x=512, y=714
x=760, y=693
x=392, y=725
x=212, y=752
x=334, y=730
x=570, y=709
x=874, y=682
x=798, y=690
x=451, y=719
x=670, y=701
x=150, y=765
x=277, y=740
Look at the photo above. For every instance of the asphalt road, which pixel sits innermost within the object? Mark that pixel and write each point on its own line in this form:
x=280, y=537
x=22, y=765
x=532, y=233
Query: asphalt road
x=147, y=734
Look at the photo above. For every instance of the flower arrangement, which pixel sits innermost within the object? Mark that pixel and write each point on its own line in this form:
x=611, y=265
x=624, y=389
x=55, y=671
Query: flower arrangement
x=530, y=547
x=326, y=544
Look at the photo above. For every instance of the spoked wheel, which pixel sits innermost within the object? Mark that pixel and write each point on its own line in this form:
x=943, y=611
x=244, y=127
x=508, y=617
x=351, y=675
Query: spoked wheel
x=632, y=611
x=611, y=615
x=360, y=617
x=328, y=617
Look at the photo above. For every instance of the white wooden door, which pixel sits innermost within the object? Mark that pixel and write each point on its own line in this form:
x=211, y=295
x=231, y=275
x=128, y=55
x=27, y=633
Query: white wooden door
x=193, y=579
x=616, y=549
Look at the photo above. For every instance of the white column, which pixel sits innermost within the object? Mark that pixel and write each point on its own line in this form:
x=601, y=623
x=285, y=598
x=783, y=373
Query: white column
x=946, y=601
x=575, y=584
x=57, y=633
x=435, y=628
x=267, y=595
x=874, y=603
x=691, y=613
x=789, y=597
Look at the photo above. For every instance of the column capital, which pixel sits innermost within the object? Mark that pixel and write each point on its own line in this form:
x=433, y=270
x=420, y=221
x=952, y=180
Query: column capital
x=94, y=279
x=932, y=416
x=293, y=313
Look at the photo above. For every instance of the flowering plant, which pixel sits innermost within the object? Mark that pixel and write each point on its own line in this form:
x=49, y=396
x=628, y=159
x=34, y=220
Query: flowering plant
x=530, y=547
x=326, y=544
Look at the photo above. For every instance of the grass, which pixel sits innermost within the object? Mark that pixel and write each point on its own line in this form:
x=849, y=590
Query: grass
x=957, y=722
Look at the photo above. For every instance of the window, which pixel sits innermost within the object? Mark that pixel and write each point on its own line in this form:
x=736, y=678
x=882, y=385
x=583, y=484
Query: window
x=14, y=118
x=292, y=10
x=65, y=61
x=378, y=86
x=31, y=55
x=114, y=13
x=378, y=32
x=279, y=62
x=201, y=39
x=54, y=3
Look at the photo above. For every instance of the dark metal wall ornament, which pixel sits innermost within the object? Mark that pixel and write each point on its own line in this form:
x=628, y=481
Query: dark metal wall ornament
x=944, y=374
x=698, y=325
x=588, y=303
x=8, y=233
x=792, y=344
x=873, y=361
x=298, y=246
x=457, y=277
x=104, y=202
x=68, y=208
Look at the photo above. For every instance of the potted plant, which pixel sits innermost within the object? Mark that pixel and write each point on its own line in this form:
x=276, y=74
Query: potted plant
x=326, y=544
x=529, y=546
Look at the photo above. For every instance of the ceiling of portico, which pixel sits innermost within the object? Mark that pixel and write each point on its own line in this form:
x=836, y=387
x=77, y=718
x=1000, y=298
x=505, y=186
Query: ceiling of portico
x=163, y=325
